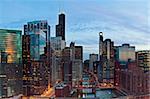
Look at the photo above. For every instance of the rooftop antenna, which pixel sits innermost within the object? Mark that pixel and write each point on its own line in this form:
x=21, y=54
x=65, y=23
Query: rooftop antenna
x=58, y=6
x=61, y=6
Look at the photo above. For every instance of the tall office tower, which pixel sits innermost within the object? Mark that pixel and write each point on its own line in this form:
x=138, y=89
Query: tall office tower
x=100, y=45
x=79, y=52
x=72, y=58
x=60, y=28
x=106, y=58
x=86, y=65
x=77, y=59
x=97, y=70
x=67, y=66
x=125, y=53
x=36, y=57
x=108, y=61
x=143, y=59
x=10, y=63
x=100, y=56
x=92, y=58
x=57, y=44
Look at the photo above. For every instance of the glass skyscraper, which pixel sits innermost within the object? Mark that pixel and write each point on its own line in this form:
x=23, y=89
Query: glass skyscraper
x=10, y=44
x=10, y=63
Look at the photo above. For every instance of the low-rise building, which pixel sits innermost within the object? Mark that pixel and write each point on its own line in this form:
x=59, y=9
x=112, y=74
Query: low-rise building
x=62, y=90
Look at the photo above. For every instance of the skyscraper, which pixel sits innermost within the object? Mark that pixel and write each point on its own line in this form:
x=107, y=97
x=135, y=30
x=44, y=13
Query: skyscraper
x=125, y=53
x=143, y=59
x=10, y=42
x=57, y=44
x=100, y=45
x=72, y=58
x=92, y=57
x=106, y=58
x=86, y=65
x=124, y=59
x=36, y=57
x=108, y=61
x=60, y=28
x=77, y=59
x=10, y=63
x=67, y=66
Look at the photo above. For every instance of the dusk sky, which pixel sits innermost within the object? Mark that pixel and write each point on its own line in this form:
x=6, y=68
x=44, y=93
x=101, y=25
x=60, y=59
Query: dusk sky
x=123, y=21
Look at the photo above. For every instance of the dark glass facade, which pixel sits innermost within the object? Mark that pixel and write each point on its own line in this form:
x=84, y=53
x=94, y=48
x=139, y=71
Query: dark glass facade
x=60, y=28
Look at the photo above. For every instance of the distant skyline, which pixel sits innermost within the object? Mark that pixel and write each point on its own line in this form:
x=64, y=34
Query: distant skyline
x=123, y=21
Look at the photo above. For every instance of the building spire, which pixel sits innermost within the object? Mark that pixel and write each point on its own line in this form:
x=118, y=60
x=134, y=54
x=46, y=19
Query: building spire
x=61, y=7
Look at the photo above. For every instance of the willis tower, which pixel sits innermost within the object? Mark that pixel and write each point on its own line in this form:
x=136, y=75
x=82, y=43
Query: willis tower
x=60, y=28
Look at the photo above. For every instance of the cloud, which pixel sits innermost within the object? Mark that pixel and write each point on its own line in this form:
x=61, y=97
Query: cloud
x=124, y=21
x=121, y=25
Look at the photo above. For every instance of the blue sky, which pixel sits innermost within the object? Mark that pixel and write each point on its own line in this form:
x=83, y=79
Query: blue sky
x=124, y=21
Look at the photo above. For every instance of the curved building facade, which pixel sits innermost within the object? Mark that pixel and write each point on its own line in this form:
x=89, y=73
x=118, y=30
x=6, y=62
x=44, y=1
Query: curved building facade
x=10, y=63
x=10, y=46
